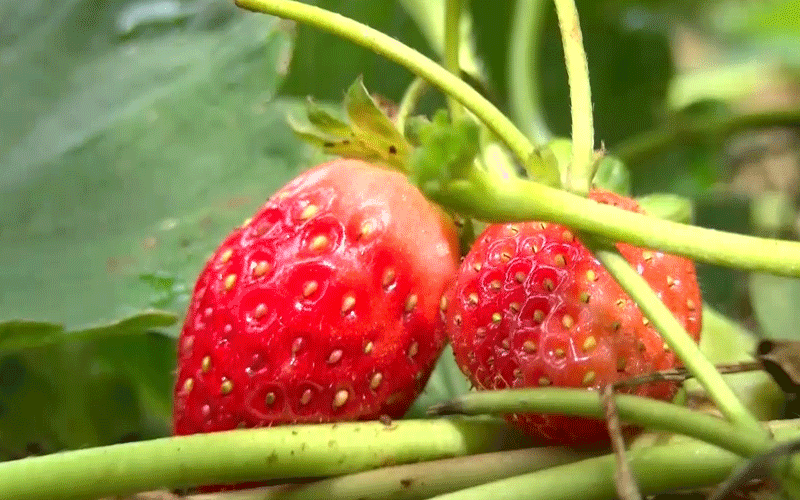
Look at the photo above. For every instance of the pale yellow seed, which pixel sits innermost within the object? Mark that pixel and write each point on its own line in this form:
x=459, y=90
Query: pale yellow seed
x=306, y=397
x=309, y=212
x=548, y=285
x=473, y=299
x=261, y=269
x=560, y=353
x=477, y=266
x=230, y=280
x=591, y=275
x=513, y=229
x=567, y=321
x=560, y=260
x=543, y=381
x=585, y=297
x=443, y=304
x=247, y=222
x=514, y=306
x=188, y=384
x=388, y=277
x=226, y=256
x=368, y=348
x=590, y=343
x=538, y=315
x=226, y=387
x=205, y=364
x=690, y=304
x=348, y=303
x=505, y=256
x=647, y=256
x=666, y=347
x=645, y=321
x=589, y=377
x=296, y=345
x=457, y=319
x=340, y=398
x=270, y=398
x=375, y=381
x=495, y=285
x=670, y=281
x=318, y=243
x=366, y=229
x=496, y=318
x=529, y=346
x=519, y=277
x=335, y=356
x=506, y=344
x=411, y=302
x=309, y=288
x=620, y=302
x=413, y=349
x=260, y=311
x=567, y=236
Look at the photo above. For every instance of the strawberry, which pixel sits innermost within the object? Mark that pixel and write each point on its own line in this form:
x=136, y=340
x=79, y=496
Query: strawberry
x=325, y=306
x=532, y=307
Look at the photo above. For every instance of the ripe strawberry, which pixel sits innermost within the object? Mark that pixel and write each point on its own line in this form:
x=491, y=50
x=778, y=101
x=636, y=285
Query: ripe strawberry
x=532, y=307
x=323, y=307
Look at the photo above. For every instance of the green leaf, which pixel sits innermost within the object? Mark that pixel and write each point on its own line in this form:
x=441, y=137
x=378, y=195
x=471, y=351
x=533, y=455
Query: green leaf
x=612, y=174
x=368, y=135
x=775, y=302
x=22, y=334
x=446, y=382
x=132, y=155
x=668, y=206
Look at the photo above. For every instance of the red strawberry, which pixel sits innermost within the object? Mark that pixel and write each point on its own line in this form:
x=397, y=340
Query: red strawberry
x=323, y=307
x=533, y=307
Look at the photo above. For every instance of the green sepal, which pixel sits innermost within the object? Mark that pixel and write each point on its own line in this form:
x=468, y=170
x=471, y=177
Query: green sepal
x=668, y=206
x=446, y=152
x=368, y=133
x=613, y=175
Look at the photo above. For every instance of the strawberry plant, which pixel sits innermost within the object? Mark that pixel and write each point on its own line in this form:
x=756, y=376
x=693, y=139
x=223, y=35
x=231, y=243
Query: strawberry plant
x=309, y=341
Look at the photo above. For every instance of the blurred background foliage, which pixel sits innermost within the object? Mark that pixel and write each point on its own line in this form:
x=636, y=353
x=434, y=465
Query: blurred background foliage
x=134, y=134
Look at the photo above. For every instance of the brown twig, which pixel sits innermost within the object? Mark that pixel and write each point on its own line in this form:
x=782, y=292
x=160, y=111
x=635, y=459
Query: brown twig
x=627, y=489
x=682, y=375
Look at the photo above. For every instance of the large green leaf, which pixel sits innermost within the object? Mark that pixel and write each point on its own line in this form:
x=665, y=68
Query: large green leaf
x=142, y=151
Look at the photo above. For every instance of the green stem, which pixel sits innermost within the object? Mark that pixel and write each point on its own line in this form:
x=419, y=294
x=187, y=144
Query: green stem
x=242, y=455
x=419, y=481
x=684, y=465
x=642, y=147
x=523, y=65
x=645, y=412
x=581, y=169
x=511, y=200
x=422, y=66
x=409, y=102
x=452, y=37
x=678, y=340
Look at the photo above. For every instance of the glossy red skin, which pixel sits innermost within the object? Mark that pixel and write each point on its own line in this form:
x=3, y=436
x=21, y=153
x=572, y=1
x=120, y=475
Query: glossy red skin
x=288, y=359
x=595, y=337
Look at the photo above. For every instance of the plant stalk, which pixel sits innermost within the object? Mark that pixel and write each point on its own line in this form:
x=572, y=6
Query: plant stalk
x=452, y=37
x=580, y=171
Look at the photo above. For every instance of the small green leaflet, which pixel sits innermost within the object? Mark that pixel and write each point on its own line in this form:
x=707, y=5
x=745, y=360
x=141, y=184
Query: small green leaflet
x=368, y=134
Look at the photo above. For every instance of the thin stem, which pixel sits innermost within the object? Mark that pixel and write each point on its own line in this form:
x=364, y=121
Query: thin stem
x=523, y=66
x=684, y=465
x=645, y=412
x=419, y=481
x=581, y=169
x=642, y=147
x=678, y=340
x=409, y=102
x=452, y=37
x=242, y=455
x=511, y=200
x=422, y=66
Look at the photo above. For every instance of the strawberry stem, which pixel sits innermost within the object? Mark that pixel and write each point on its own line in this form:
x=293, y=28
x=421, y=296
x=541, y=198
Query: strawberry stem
x=580, y=171
x=420, y=65
x=678, y=340
x=684, y=464
x=486, y=198
x=523, y=65
x=417, y=481
x=409, y=102
x=242, y=455
x=452, y=37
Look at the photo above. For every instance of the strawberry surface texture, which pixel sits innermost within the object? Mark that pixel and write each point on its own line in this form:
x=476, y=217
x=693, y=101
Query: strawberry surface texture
x=532, y=307
x=325, y=306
